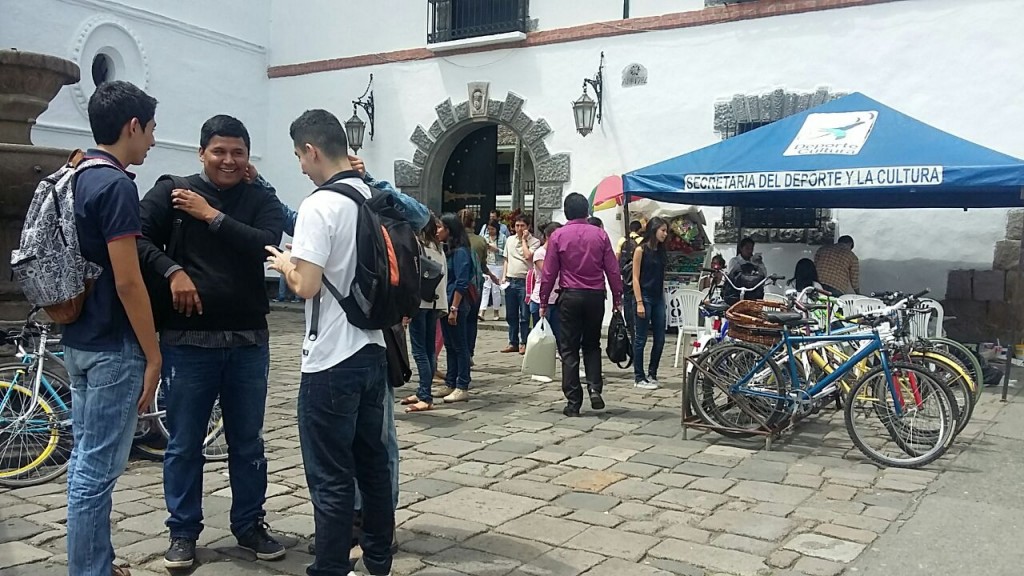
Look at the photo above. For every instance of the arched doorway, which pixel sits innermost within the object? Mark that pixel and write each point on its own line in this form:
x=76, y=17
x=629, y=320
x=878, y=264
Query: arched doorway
x=424, y=176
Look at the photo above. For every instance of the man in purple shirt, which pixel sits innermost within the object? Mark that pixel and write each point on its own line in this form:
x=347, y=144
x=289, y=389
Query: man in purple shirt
x=580, y=256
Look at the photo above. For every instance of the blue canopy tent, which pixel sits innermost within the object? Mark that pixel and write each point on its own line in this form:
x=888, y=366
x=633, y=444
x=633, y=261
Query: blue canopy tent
x=852, y=152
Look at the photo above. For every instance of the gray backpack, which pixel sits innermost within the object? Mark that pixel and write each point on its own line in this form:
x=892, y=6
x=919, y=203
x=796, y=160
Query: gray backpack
x=48, y=264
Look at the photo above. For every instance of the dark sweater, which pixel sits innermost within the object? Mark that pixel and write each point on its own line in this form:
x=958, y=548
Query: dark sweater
x=225, y=261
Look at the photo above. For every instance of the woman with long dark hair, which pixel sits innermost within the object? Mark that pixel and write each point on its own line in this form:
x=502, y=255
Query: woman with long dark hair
x=533, y=284
x=806, y=274
x=423, y=327
x=495, y=264
x=649, y=261
x=456, y=327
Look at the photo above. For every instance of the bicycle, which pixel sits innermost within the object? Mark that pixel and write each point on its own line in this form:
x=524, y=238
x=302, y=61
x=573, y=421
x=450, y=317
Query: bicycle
x=757, y=396
x=35, y=410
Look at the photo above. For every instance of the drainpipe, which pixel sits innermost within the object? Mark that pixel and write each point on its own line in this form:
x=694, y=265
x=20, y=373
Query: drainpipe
x=625, y=9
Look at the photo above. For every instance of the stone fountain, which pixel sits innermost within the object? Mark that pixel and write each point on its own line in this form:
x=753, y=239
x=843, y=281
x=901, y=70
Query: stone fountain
x=28, y=82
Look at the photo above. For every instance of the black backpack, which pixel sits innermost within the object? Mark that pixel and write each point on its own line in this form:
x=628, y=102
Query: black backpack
x=386, y=287
x=626, y=262
x=619, y=348
x=746, y=276
x=431, y=275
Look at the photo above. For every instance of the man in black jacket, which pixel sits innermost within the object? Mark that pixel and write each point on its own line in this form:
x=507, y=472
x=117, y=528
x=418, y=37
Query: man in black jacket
x=207, y=242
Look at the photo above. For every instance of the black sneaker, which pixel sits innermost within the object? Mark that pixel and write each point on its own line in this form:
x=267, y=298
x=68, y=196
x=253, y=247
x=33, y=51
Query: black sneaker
x=181, y=554
x=259, y=541
x=596, y=402
x=571, y=412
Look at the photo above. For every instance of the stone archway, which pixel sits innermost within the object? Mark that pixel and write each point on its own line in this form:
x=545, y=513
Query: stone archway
x=421, y=177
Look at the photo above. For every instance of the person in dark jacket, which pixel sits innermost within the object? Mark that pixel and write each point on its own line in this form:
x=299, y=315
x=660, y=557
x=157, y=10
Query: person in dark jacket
x=208, y=242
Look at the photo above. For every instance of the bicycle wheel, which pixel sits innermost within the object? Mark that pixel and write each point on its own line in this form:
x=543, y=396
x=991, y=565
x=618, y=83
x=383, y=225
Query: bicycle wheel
x=963, y=355
x=35, y=441
x=215, y=446
x=954, y=375
x=916, y=436
x=737, y=415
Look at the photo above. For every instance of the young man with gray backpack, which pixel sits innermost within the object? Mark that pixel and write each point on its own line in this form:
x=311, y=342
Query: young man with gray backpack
x=78, y=260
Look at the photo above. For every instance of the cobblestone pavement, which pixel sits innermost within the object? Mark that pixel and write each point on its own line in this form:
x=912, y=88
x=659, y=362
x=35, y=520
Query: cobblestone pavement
x=504, y=484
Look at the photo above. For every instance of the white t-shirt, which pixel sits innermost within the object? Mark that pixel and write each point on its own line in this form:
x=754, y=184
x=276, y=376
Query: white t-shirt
x=325, y=235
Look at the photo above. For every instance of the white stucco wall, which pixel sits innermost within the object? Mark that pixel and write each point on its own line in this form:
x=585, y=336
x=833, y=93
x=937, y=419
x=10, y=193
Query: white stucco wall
x=202, y=59
x=942, y=61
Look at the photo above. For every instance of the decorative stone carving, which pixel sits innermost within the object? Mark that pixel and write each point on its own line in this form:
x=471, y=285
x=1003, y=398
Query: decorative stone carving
x=494, y=109
x=478, y=97
x=537, y=131
x=436, y=129
x=787, y=235
x=554, y=169
x=551, y=171
x=521, y=122
x=1007, y=255
x=105, y=34
x=506, y=136
x=542, y=217
x=461, y=111
x=446, y=113
x=421, y=139
x=539, y=151
x=548, y=197
x=407, y=174
x=419, y=158
x=513, y=104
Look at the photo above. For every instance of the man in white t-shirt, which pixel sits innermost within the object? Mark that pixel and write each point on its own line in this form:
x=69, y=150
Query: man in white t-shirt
x=344, y=368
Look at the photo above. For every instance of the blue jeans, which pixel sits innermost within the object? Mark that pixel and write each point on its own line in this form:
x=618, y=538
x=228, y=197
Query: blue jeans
x=284, y=294
x=341, y=417
x=456, y=344
x=552, y=317
x=653, y=321
x=517, y=312
x=195, y=377
x=105, y=393
x=422, y=333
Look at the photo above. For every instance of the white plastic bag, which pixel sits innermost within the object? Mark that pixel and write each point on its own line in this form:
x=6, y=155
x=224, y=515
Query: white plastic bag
x=539, y=359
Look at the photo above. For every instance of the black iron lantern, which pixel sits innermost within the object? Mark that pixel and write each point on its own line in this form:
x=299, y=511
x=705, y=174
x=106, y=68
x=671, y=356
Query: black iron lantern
x=355, y=128
x=585, y=110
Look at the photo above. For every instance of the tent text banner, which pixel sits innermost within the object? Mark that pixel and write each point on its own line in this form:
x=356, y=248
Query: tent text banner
x=880, y=177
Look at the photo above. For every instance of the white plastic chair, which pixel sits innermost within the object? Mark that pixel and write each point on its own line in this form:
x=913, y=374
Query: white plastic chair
x=771, y=297
x=920, y=322
x=863, y=305
x=683, y=313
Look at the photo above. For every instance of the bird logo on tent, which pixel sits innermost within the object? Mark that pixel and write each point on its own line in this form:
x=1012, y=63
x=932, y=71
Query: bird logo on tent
x=840, y=132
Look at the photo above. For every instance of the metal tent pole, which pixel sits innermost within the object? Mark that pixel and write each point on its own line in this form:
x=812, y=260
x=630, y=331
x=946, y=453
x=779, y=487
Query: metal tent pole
x=1013, y=327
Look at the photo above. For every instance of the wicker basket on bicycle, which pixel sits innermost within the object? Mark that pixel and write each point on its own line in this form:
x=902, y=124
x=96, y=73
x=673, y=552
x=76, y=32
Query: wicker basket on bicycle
x=747, y=323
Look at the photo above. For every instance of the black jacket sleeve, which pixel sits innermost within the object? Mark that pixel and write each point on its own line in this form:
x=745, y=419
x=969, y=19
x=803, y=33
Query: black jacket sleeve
x=157, y=217
x=265, y=230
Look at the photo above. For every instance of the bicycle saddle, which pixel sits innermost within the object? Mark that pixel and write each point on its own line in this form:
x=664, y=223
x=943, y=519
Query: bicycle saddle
x=715, y=307
x=788, y=319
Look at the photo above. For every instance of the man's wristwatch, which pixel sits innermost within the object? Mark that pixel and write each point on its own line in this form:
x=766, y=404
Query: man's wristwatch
x=454, y=310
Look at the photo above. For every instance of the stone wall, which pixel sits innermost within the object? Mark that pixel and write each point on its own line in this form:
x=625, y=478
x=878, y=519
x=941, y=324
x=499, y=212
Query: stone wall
x=986, y=303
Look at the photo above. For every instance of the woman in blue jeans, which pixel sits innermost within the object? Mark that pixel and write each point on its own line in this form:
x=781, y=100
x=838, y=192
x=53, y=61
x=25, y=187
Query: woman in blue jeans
x=455, y=326
x=649, y=294
x=423, y=328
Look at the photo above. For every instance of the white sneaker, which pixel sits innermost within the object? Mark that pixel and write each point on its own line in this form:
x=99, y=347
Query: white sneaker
x=645, y=385
x=654, y=382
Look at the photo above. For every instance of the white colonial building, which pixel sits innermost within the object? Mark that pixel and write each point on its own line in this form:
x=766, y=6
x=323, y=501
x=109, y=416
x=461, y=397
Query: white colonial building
x=472, y=98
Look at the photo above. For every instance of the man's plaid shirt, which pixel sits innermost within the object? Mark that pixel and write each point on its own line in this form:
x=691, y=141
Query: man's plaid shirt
x=838, y=267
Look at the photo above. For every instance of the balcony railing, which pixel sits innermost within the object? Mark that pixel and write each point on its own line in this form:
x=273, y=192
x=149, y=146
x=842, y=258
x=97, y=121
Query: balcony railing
x=458, y=19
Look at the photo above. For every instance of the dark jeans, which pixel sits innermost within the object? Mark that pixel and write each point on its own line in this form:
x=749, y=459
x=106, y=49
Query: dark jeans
x=552, y=317
x=456, y=344
x=517, y=312
x=341, y=415
x=581, y=314
x=654, y=322
x=422, y=333
x=194, y=377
